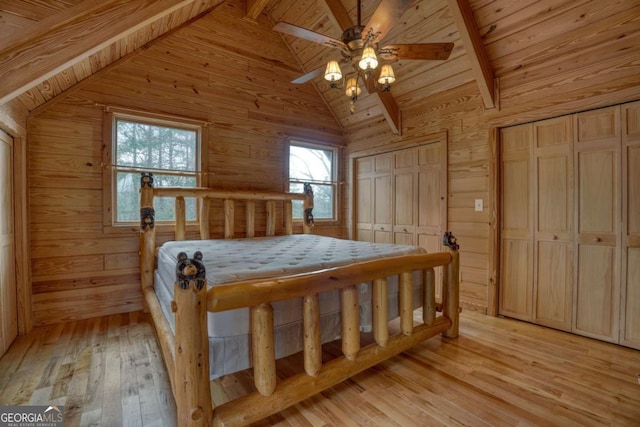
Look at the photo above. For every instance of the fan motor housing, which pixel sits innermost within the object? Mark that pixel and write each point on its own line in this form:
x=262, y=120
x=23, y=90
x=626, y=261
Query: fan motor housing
x=352, y=37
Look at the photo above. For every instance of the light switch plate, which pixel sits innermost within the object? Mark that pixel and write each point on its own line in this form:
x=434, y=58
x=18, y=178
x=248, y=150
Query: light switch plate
x=479, y=205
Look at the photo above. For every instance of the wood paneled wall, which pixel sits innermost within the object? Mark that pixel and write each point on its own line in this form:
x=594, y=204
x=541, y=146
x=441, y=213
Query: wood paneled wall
x=238, y=81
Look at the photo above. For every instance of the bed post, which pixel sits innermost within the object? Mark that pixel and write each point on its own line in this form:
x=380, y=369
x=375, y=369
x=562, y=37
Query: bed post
x=192, y=390
x=307, y=206
x=147, y=232
x=451, y=286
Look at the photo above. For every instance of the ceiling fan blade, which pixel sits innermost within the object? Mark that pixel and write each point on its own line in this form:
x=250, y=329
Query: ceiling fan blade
x=430, y=51
x=312, y=36
x=386, y=16
x=308, y=76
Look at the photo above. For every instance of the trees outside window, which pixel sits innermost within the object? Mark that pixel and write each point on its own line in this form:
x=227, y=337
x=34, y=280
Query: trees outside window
x=316, y=165
x=169, y=150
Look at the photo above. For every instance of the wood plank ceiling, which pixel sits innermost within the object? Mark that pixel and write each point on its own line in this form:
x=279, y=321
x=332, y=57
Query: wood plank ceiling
x=518, y=43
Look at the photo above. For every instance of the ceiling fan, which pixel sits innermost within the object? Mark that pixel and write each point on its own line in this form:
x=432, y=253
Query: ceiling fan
x=361, y=47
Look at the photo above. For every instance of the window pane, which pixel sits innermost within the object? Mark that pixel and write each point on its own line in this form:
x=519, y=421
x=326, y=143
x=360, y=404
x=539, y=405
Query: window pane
x=146, y=146
x=322, y=200
x=310, y=164
x=152, y=146
x=128, y=185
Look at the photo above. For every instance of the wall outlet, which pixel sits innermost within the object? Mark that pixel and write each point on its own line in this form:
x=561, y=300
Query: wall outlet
x=479, y=205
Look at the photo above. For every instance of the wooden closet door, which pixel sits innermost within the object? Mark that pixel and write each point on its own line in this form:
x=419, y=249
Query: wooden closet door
x=630, y=301
x=516, y=254
x=405, y=174
x=597, y=160
x=553, y=241
x=373, y=198
x=364, y=168
x=8, y=299
x=382, y=198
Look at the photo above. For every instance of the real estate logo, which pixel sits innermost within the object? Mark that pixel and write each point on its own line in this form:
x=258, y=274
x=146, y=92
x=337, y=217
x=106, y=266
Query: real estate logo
x=32, y=416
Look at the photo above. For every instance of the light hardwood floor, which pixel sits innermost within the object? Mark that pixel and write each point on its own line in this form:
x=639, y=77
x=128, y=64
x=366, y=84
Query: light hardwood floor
x=108, y=371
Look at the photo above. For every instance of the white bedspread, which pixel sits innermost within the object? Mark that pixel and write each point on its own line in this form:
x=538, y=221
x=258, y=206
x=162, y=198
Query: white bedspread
x=232, y=260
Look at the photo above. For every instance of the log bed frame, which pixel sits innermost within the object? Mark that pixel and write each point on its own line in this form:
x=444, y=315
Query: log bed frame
x=186, y=354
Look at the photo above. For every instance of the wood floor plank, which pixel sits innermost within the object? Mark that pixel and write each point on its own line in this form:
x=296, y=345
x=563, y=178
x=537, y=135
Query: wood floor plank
x=109, y=372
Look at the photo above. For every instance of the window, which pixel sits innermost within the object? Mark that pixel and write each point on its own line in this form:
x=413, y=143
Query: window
x=317, y=165
x=171, y=150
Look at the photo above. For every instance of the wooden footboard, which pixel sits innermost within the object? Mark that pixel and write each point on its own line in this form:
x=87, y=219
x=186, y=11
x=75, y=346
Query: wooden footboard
x=187, y=353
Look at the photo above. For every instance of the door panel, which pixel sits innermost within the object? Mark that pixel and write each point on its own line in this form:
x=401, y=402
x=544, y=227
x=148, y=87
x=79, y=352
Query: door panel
x=630, y=301
x=633, y=190
x=382, y=209
x=553, y=285
x=598, y=214
x=596, y=293
x=597, y=191
x=554, y=194
x=8, y=300
x=516, y=299
x=553, y=197
x=631, y=333
x=404, y=206
x=516, y=196
x=516, y=258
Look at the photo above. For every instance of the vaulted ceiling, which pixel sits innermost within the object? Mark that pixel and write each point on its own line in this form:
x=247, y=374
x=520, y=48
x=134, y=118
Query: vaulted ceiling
x=504, y=46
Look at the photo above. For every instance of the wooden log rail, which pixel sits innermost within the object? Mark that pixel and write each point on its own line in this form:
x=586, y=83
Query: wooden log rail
x=271, y=397
x=205, y=195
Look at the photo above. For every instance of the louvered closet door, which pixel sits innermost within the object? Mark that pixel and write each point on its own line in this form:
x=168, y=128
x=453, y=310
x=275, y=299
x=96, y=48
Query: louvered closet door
x=597, y=160
x=8, y=303
x=630, y=302
x=516, y=255
x=553, y=241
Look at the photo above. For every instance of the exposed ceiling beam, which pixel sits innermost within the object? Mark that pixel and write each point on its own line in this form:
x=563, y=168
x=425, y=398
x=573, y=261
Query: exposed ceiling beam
x=255, y=8
x=338, y=14
x=387, y=104
x=53, y=51
x=472, y=42
x=390, y=110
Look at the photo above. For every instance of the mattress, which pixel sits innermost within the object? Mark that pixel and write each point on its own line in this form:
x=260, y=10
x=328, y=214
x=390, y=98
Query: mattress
x=232, y=260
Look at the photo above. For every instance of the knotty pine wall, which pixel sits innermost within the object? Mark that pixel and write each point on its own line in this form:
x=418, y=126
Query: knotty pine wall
x=80, y=267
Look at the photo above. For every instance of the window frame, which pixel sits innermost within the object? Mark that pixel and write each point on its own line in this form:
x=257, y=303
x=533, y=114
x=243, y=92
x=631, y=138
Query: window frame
x=334, y=183
x=110, y=170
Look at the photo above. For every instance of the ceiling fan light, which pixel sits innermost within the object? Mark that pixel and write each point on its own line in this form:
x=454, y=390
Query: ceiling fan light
x=352, y=88
x=369, y=61
x=387, y=75
x=333, y=72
